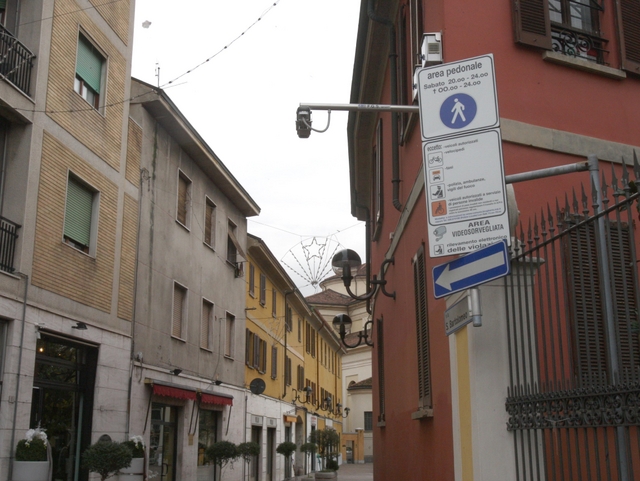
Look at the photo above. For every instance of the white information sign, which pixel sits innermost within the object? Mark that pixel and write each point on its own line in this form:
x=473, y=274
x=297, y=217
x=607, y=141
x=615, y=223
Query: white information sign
x=465, y=192
x=458, y=97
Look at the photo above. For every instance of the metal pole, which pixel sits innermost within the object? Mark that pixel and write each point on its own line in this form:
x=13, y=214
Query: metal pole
x=550, y=172
x=610, y=328
x=362, y=107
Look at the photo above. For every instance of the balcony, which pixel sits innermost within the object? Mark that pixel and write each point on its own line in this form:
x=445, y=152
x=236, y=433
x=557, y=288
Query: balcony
x=16, y=61
x=8, y=236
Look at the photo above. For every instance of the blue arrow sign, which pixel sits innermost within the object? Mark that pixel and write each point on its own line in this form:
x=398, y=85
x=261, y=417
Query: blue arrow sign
x=473, y=269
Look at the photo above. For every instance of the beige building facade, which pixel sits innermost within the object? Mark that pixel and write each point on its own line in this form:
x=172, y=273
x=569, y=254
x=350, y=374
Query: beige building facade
x=69, y=226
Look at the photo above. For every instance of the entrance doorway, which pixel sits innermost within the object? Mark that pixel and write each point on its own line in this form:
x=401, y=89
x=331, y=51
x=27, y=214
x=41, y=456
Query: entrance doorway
x=271, y=453
x=254, y=469
x=62, y=401
x=163, y=442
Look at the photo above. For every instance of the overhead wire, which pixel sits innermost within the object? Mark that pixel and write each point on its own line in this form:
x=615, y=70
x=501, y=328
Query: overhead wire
x=163, y=86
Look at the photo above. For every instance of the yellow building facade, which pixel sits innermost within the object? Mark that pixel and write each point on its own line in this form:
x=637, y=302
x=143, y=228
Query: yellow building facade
x=293, y=360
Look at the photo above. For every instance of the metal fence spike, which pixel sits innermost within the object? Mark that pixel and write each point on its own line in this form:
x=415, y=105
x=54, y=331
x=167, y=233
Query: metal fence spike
x=636, y=166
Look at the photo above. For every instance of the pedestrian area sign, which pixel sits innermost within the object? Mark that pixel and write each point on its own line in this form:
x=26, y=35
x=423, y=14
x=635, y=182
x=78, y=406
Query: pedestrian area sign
x=458, y=97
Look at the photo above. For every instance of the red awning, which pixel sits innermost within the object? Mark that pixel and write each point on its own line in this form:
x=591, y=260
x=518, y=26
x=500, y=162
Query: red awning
x=174, y=392
x=207, y=398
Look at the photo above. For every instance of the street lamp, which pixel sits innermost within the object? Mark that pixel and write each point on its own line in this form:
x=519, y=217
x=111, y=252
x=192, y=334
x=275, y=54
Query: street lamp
x=346, y=260
x=307, y=390
x=342, y=323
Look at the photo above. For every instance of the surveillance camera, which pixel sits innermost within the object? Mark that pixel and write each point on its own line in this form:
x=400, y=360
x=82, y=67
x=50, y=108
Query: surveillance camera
x=303, y=122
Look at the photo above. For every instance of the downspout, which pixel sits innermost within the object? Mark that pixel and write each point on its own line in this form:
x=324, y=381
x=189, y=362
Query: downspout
x=15, y=402
x=393, y=60
x=144, y=175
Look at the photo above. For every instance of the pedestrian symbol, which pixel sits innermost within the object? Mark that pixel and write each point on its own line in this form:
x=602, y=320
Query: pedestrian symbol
x=458, y=111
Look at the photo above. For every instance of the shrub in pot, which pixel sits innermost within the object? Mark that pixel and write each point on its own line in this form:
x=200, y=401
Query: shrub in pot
x=287, y=449
x=31, y=461
x=106, y=458
x=222, y=453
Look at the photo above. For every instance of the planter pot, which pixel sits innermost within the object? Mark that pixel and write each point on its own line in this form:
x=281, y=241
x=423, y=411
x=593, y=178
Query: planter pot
x=137, y=467
x=326, y=475
x=30, y=471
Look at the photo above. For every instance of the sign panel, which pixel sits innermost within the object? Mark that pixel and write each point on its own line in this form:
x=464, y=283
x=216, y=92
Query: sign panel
x=458, y=97
x=465, y=192
x=457, y=316
x=471, y=270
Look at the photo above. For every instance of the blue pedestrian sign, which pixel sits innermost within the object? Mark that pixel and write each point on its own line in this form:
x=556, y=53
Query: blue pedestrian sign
x=478, y=267
x=458, y=111
x=458, y=97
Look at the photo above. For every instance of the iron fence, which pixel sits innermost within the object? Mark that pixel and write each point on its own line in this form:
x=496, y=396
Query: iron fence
x=16, y=61
x=8, y=236
x=574, y=343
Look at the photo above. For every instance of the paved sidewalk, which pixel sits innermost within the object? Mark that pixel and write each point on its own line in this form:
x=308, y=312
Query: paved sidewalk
x=356, y=472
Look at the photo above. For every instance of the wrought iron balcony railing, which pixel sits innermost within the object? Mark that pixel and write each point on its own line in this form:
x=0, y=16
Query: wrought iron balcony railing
x=578, y=43
x=16, y=61
x=8, y=236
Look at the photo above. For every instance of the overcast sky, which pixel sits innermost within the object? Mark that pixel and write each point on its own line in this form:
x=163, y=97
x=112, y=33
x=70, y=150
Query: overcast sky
x=243, y=102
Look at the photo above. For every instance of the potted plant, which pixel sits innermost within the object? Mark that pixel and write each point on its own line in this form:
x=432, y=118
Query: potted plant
x=31, y=461
x=248, y=451
x=135, y=472
x=222, y=453
x=287, y=449
x=106, y=458
x=309, y=449
x=327, y=440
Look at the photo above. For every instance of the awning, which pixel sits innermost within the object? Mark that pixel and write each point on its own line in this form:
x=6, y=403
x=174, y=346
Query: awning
x=171, y=390
x=220, y=399
x=290, y=419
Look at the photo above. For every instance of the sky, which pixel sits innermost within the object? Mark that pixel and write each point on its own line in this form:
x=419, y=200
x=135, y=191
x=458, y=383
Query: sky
x=243, y=102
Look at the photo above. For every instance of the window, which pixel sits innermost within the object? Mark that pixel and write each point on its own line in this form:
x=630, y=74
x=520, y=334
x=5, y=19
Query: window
x=287, y=370
x=300, y=378
x=573, y=28
x=299, y=330
x=209, y=223
x=288, y=318
x=274, y=362
x=89, y=72
x=368, y=421
x=263, y=289
x=422, y=328
x=252, y=280
x=81, y=215
x=183, y=211
x=248, y=348
x=274, y=298
x=229, y=333
x=3, y=346
x=206, y=321
x=313, y=343
x=179, y=310
x=207, y=434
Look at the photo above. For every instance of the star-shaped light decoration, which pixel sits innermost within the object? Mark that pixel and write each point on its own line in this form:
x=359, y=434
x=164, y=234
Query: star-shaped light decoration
x=313, y=249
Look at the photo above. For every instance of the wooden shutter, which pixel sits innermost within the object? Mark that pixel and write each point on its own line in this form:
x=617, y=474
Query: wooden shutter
x=531, y=23
x=209, y=223
x=587, y=309
x=89, y=64
x=77, y=221
x=248, y=349
x=252, y=280
x=178, y=310
x=256, y=351
x=205, y=325
x=229, y=336
x=422, y=327
x=629, y=32
x=274, y=362
x=183, y=187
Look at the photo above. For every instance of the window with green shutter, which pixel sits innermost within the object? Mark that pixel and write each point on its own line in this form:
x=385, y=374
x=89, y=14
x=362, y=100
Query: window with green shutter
x=78, y=215
x=89, y=63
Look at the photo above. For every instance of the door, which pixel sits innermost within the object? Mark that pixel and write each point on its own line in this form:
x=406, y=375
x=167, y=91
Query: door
x=271, y=453
x=254, y=466
x=62, y=401
x=163, y=441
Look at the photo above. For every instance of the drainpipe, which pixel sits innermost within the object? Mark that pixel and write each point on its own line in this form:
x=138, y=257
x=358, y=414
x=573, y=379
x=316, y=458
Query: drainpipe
x=144, y=175
x=18, y=375
x=393, y=59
